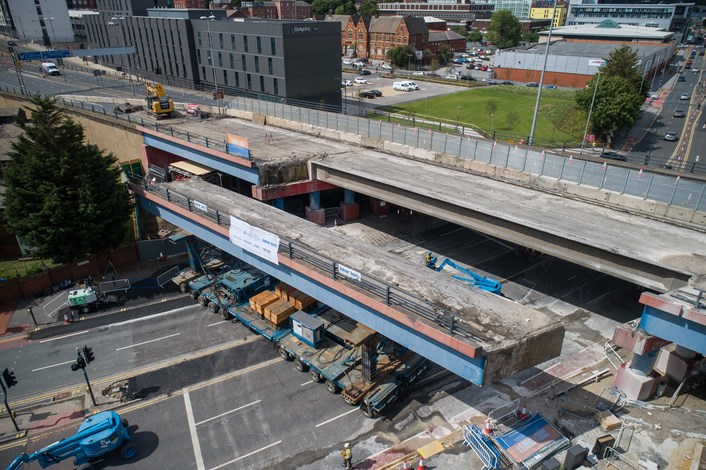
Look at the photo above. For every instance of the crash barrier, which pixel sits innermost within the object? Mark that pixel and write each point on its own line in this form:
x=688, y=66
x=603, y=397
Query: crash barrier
x=390, y=295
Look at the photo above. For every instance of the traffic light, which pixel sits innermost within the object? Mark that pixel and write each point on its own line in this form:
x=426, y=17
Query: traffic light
x=88, y=354
x=9, y=376
x=79, y=364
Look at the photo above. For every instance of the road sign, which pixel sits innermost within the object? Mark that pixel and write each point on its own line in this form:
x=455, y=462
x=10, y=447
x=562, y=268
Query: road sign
x=590, y=137
x=596, y=63
x=217, y=94
x=59, y=54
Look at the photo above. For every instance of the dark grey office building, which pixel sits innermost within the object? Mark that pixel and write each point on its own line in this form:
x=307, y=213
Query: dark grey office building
x=294, y=60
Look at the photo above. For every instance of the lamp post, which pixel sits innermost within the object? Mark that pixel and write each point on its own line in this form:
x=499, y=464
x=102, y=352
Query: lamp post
x=213, y=58
x=541, y=77
x=590, y=110
x=409, y=61
x=115, y=22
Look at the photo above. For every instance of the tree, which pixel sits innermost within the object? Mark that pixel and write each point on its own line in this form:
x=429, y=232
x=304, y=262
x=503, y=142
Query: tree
x=490, y=107
x=446, y=54
x=368, y=8
x=475, y=36
x=504, y=29
x=401, y=56
x=624, y=62
x=64, y=197
x=460, y=30
x=616, y=106
x=512, y=119
x=531, y=37
x=347, y=8
x=324, y=7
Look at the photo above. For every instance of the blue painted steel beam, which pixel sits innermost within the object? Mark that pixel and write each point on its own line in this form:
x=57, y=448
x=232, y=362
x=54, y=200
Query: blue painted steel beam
x=678, y=330
x=251, y=175
x=461, y=365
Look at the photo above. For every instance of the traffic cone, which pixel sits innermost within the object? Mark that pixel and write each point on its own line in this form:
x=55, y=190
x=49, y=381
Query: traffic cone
x=66, y=319
x=405, y=465
x=523, y=412
x=487, y=430
x=422, y=465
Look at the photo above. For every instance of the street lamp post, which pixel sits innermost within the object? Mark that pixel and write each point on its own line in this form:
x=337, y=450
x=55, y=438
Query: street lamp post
x=590, y=110
x=541, y=76
x=213, y=58
x=409, y=61
x=115, y=22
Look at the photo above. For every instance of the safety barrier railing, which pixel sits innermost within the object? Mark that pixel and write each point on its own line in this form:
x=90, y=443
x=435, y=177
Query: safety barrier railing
x=390, y=295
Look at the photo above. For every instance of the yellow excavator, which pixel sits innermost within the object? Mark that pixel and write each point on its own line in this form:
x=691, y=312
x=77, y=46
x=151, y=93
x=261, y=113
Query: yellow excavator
x=159, y=105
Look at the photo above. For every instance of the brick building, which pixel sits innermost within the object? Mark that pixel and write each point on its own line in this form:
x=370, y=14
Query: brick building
x=276, y=9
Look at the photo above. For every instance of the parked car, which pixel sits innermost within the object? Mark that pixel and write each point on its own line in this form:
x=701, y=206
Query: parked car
x=550, y=87
x=678, y=113
x=386, y=66
x=360, y=81
x=506, y=82
x=469, y=78
x=684, y=96
x=377, y=93
x=347, y=62
x=418, y=74
x=346, y=83
x=451, y=77
x=701, y=52
x=681, y=78
x=489, y=81
x=366, y=94
x=482, y=57
x=695, y=70
x=532, y=84
x=484, y=68
x=613, y=155
x=671, y=136
x=365, y=72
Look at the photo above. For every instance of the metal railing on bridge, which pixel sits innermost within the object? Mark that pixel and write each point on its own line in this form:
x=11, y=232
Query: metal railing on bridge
x=390, y=295
x=671, y=190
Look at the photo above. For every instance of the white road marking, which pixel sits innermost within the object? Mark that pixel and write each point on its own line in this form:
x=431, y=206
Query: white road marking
x=307, y=383
x=426, y=379
x=53, y=365
x=194, y=436
x=336, y=417
x=218, y=323
x=65, y=336
x=156, y=315
x=146, y=342
x=598, y=298
x=451, y=232
x=246, y=455
x=227, y=413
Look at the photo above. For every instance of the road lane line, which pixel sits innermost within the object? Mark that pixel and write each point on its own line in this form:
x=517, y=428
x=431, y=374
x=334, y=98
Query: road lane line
x=64, y=336
x=336, y=417
x=218, y=323
x=227, y=412
x=194, y=436
x=151, y=317
x=246, y=455
x=307, y=383
x=146, y=342
x=54, y=365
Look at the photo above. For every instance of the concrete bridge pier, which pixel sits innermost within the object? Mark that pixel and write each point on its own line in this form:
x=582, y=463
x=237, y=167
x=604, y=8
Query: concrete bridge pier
x=350, y=210
x=314, y=212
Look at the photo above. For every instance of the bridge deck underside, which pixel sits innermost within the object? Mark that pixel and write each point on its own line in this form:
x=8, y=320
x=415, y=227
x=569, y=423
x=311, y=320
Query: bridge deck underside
x=644, y=251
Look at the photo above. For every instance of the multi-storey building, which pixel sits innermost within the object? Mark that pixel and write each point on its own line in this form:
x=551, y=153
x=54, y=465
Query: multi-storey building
x=455, y=11
x=276, y=9
x=669, y=16
x=544, y=9
x=519, y=8
x=283, y=58
x=43, y=21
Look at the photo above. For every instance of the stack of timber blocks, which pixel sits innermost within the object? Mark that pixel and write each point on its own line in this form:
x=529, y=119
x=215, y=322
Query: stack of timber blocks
x=260, y=301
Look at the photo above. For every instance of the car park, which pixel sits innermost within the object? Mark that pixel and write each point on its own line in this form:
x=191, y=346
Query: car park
x=613, y=155
x=360, y=81
x=365, y=72
x=678, y=113
x=532, y=84
x=684, y=96
x=671, y=136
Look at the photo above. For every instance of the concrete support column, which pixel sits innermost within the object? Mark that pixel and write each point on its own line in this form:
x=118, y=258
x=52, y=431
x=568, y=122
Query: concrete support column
x=350, y=210
x=314, y=212
x=278, y=203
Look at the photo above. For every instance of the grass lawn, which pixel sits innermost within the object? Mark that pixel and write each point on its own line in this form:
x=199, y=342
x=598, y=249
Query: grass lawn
x=10, y=269
x=558, y=121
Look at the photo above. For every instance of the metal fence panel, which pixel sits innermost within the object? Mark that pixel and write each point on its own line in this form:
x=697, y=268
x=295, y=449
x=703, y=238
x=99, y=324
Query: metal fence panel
x=661, y=188
x=638, y=183
x=593, y=175
x=52, y=307
x=573, y=169
x=615, y=179
x=167, y=276
x=552, y=165
x=687, y=194
x=114, y=286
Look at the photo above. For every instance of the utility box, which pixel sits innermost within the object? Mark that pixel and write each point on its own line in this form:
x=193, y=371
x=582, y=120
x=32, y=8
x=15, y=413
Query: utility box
x=575, y=457
x=551, y=464
x=307, y=328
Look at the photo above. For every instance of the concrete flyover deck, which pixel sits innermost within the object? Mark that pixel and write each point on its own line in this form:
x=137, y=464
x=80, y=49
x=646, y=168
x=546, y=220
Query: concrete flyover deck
x=647, y=252
x=507, y=337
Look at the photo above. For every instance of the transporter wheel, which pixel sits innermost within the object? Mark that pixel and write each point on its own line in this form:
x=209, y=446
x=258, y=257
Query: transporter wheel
x=184, y=287
x=349, y=400
x=214, y=307
x=203, y=301
x=194, y=294
x=283, y=352
x=225, y=315
x=332, y=387
x=315, y=377
x=300, y=366
x=128, y=451
x=368, y=411
x=125, y=422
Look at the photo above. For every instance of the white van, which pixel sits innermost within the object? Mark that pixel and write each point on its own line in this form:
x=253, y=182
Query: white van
x=49, y=68
x=401, y=86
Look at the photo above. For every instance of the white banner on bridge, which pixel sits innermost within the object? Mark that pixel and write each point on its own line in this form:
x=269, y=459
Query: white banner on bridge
x=255, y=240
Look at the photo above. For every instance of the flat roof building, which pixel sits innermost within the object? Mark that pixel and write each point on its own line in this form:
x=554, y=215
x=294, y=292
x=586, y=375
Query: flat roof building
x=609, y=31
x=671, y=17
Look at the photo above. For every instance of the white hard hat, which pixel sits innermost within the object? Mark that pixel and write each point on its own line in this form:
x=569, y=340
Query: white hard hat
x=347, y=445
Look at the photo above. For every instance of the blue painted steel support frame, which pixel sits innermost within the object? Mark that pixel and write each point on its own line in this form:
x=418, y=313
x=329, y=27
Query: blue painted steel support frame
x=686, y=333
x=463, y=366
x=251, y=175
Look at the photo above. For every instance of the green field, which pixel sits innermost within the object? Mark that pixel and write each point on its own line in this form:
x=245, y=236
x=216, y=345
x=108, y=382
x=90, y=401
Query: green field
x=558, y=120
x=10, y=269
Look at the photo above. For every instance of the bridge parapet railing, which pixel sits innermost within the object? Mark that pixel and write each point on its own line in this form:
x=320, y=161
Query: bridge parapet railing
x=390, y=295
